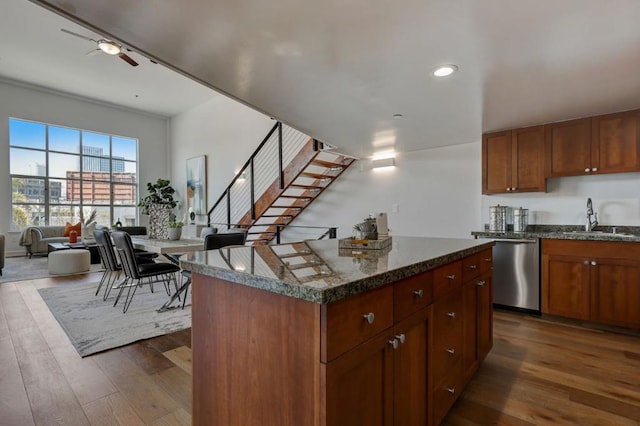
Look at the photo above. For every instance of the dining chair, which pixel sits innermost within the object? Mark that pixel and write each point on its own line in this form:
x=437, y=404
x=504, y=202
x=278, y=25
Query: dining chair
x=137, y=272
x=112, y=268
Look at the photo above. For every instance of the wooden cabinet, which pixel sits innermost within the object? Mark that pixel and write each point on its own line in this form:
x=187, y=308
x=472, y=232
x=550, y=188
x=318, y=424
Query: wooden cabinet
x=513, y=161
x=603, y=144
x=596, y=281
x=267, y=358
x=383, y=381
x=568, y=148
x=615, y=143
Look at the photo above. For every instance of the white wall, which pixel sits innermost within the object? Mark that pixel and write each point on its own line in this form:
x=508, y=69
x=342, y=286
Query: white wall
x=226, y=131
x=616, y=199
x=437, y=192
x=28, y=103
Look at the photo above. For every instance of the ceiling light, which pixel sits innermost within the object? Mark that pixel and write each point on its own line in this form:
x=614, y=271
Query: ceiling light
x=397, y=115
x=445, y=70
x=109, y=47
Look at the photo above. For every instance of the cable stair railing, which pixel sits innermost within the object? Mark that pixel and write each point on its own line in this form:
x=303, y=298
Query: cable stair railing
x=282, y=177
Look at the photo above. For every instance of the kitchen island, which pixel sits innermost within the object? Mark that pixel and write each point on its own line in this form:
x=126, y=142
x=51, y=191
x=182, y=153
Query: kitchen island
x=309, y=334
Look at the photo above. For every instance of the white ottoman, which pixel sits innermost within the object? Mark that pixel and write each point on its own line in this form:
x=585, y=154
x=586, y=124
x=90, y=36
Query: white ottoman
x=69, y=261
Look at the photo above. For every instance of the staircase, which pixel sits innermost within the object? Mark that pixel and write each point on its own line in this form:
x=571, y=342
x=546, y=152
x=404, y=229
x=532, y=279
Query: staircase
x=265, y=196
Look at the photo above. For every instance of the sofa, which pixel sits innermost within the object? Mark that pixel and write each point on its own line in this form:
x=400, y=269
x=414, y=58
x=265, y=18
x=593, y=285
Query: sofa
x=1, y=253
x=36, y=239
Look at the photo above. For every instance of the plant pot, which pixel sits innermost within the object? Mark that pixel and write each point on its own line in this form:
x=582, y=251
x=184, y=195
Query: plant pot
x=159, y=215
x=174, y=233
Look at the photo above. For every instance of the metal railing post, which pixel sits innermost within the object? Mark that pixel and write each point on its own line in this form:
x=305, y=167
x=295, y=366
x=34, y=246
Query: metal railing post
x=253, y=194
x=228, y=208
x=278, y=234
x=280, y=171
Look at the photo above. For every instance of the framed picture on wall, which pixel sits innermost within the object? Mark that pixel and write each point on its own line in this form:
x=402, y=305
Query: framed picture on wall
x=197, y=185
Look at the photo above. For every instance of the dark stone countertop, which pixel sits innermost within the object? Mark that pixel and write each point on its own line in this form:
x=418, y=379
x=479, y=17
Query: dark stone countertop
x=569, y=232
x=337, y=273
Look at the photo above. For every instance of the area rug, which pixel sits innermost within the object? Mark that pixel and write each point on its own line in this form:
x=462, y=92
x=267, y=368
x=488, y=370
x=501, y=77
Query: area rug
x=94, y=325
x=22, y=268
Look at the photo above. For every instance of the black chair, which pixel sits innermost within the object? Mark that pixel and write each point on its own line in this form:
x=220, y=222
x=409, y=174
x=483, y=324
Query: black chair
x=136, y=272
x=211, y=242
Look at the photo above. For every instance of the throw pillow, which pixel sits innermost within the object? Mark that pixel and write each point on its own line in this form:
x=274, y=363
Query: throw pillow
x=69, y=227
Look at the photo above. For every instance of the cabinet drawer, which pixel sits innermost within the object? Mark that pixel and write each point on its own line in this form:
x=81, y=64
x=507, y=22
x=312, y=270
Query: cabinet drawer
x=476, y=264
x=447, y=335
x=446, y=278
x=351, y=321
x=446, y=393
x=412, y=294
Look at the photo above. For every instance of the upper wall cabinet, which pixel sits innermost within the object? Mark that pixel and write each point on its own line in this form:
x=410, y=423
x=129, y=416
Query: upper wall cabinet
x=615, y=143
x=513, y=161
x=602, y=144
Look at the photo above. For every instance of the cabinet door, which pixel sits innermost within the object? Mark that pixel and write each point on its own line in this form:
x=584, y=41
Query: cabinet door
x=615, y=292
x=496, y=162
x=528, y=159
x=410, y=379
x=359, y=385
x=478, y=323
x=565, y=286
x=568, y=147
x=616, y=143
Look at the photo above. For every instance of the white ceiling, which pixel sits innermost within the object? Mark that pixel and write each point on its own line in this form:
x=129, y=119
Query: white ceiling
x=339, y=70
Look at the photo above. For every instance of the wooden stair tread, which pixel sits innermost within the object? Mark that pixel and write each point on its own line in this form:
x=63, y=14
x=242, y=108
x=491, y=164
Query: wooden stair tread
x=327, y=164
x=309, y=187
x=277, y=215
x=298, y=197
x=286, y=207
x=304, y=265
x=298, y=254
x=317, y=175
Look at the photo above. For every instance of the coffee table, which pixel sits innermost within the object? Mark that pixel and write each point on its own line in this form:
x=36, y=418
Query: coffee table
x=92, y=247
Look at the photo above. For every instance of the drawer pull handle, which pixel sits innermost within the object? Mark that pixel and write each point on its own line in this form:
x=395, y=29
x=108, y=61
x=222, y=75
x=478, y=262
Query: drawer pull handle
x=419, y=293
x=451, y=314
x=481, y=283
x=401, y=338
x=595, y=169
x=594, y=263
x=451, y=390
x=473, y=266
x=451, y=351
x=369, y=317
x=451, y=277
x=487, y=259
x=394, y=343
x=587, y=170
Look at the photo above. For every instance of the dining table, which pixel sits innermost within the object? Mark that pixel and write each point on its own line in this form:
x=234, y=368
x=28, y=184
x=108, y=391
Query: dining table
x=168, y=248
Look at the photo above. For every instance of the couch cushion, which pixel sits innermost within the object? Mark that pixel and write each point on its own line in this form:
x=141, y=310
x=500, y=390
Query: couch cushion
x=51, y=231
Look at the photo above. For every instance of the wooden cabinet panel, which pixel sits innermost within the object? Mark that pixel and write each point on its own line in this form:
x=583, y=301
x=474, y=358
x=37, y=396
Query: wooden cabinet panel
x=496, y=162
x=615, y=292
x=446, y=393
x=528, y=160
x=616, y=143
x=513, y=161
x=485, y=314
x=447, y=278
x=351, y=321
x=411, y=380
x=592, y=280
x=568, y=148
x=412, y=294
x=447, y=334
x=359, y=387
x=566, y=279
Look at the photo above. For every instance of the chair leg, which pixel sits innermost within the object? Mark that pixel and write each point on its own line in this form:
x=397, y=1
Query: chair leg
x=128, y=299
x=105, y=274
x=186, y=291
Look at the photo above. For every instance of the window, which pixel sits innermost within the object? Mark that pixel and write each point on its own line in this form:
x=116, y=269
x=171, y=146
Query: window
x=56, y=172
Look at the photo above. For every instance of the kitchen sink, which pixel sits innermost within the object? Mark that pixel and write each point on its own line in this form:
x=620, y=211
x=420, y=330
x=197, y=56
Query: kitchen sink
x=608, y=234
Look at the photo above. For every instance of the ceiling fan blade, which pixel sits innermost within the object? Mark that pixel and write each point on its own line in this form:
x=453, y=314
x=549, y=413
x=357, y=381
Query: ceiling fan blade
x=93, y=52
x=78, y=35
x=127, y=59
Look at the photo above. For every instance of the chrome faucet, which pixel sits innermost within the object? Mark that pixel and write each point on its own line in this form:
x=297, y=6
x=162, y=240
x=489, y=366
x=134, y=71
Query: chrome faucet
x=592, y=218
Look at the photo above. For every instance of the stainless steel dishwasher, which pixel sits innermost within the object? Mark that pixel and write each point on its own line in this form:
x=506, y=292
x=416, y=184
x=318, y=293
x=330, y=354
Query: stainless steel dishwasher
x=516, y=274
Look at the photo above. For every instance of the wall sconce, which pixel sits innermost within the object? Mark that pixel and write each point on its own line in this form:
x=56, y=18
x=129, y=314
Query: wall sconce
x=378, y=164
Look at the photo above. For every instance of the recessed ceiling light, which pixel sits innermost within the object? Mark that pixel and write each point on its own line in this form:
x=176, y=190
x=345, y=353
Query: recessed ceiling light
x=445, y=70
x=397, y=115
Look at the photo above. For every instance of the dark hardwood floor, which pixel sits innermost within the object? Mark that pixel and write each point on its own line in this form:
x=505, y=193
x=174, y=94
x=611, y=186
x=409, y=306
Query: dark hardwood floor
x=539, y=372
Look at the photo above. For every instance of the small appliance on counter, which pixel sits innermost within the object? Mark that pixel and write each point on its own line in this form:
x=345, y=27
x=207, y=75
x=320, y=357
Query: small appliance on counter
x=520, y=219
x=498, y=218
x=372, y=233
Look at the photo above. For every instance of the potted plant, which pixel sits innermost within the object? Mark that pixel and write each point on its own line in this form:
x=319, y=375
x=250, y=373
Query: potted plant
x=174, y=230
x=158, y=204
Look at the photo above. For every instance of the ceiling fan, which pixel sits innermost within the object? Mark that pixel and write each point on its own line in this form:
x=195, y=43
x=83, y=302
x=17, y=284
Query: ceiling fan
x=106, y=46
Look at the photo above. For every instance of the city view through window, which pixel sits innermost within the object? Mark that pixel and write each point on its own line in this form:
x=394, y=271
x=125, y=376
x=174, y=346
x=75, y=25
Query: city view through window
x=58, y=172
